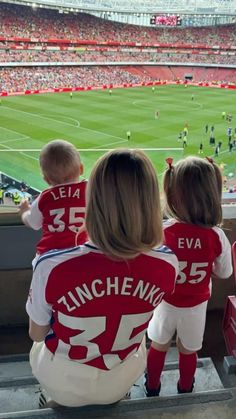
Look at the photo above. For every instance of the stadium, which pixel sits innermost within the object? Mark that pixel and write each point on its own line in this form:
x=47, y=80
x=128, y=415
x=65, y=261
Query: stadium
x=153, y=75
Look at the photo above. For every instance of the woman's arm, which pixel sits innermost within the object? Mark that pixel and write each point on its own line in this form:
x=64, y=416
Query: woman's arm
x=37, y=333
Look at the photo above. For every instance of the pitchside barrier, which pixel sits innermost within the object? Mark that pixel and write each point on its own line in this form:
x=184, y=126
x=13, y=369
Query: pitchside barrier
x=111, y=86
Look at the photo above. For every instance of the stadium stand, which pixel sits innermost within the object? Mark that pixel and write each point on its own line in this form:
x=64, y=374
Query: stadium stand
x=28, y=37
x=47, y=39
x=20, y=21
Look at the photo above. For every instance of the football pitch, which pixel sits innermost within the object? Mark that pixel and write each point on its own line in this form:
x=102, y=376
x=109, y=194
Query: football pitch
x=96, y=121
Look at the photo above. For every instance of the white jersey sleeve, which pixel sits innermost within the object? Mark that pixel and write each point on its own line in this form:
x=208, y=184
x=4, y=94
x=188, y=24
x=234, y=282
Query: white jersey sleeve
x=34, y=217
x=222, y=266
x=36, y=306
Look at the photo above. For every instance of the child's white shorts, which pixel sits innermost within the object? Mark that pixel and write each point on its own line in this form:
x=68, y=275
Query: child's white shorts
x=187, y=322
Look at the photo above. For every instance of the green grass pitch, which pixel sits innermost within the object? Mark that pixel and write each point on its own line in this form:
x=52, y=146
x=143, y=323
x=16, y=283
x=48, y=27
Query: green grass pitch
x=95, y=121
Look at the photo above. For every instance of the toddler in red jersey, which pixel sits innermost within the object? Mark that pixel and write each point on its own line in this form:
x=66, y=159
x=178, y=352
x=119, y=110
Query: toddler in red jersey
x=60, y=209
x=192, y=191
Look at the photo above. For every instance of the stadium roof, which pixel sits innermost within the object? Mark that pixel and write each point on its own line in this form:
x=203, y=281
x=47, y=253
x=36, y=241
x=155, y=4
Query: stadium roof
x=139, y=6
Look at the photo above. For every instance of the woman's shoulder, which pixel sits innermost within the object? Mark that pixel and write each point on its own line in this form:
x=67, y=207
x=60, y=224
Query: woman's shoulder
x=164, y=253
x=169, y=222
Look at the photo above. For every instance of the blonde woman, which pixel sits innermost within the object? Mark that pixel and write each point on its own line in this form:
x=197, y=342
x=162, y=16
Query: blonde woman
x=89, y=306
x=193, y=202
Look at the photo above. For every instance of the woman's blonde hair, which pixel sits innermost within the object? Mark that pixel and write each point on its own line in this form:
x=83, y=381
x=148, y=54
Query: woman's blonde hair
x=60, y=162
x=193, y=189
x=123, y=216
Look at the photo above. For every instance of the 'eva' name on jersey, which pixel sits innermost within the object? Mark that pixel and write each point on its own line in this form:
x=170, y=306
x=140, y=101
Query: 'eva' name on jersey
x=66, y=192
x=192, y=243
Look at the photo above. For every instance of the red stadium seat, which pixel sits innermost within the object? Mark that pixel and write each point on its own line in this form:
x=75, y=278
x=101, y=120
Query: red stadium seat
x=229, y=325
x=234, y=259
x=229, y=322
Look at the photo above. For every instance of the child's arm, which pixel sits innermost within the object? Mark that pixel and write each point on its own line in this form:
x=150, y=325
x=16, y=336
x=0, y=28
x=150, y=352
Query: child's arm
x=30, y=214
x=222, y=266
x=24, y=210
x=24, y=206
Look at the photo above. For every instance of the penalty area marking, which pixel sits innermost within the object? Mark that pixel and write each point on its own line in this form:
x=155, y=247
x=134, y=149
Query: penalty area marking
x=14, y=140
x=66, y=123
x=77, y=125
x=21, y=151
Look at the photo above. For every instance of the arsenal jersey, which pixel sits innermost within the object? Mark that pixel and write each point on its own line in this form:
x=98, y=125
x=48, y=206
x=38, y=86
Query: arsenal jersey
x=201, y=251
x=60, y=212
x=98, y=308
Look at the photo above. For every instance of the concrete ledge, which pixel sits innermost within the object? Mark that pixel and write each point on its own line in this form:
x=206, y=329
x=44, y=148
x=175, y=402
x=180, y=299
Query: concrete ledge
x=125, y=407
x=19, y=391
x=230, y=364
x=22, y=242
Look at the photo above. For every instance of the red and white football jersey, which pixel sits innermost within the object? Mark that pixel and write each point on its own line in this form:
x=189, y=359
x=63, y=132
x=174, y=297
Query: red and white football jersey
x=60, y=212
x=98, y=308
x=201, y=251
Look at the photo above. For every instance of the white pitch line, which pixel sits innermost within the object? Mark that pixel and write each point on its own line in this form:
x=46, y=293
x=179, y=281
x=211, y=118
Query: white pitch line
x=115, y=142
x=75, y=120
x=45, y=117
x=102, y=133
x=66, y=123
x=11, y=130
x=9, y=149
x=15, y=139
x=19, y=150
x=27, y=155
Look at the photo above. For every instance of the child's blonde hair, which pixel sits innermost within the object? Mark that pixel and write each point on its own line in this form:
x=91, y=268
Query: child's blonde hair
x=123, y=216
x=60, y=162
x=193, y=189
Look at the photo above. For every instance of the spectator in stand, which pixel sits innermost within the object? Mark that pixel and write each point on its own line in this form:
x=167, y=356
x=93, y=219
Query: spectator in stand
x=17, y=21
x=59, y=210
x=21, y=79
x=89, y=306
x=138, y=54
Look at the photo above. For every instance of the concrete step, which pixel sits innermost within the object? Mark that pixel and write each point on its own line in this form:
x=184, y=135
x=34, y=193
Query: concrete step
x=215, y=404
x=19, y=391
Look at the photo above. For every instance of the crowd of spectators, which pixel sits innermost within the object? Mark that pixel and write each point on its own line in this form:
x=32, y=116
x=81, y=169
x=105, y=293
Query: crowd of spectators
x=131, y=55
x=19, y=79
x=40, y=25
x=22, y=21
